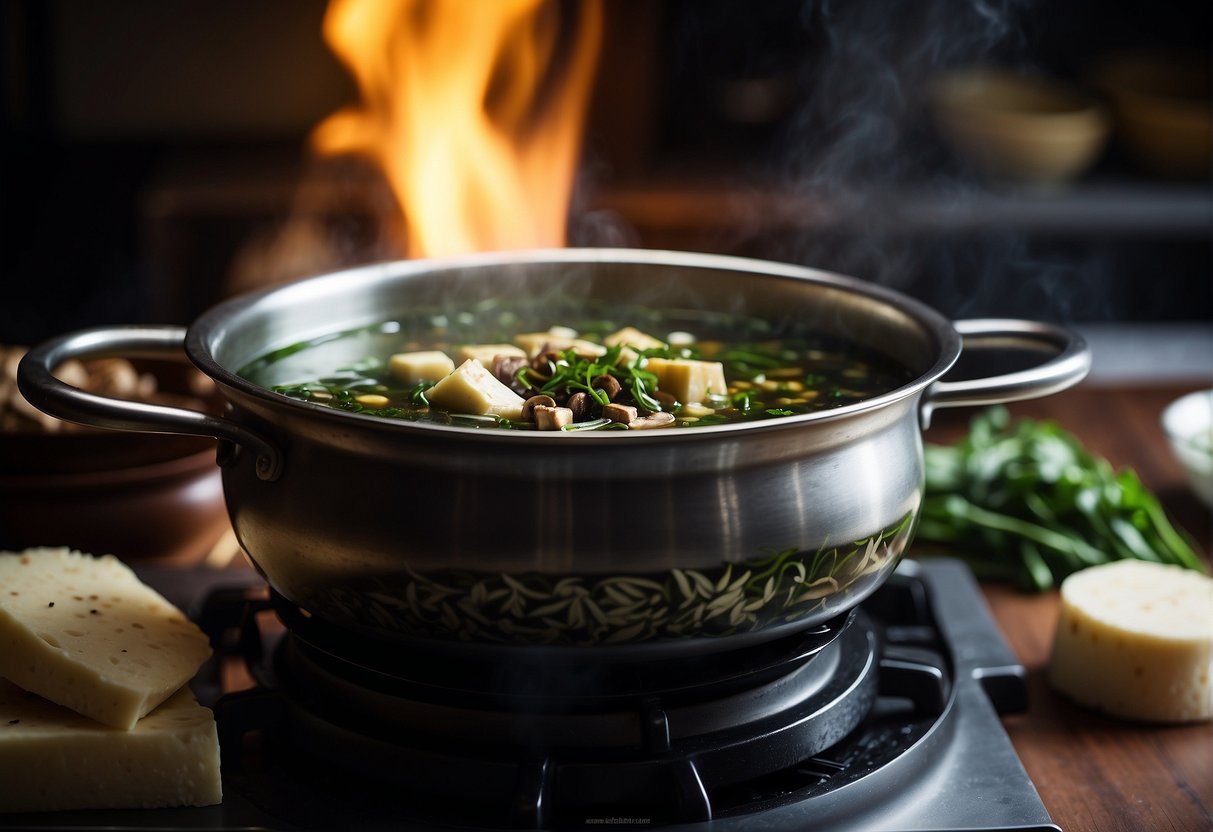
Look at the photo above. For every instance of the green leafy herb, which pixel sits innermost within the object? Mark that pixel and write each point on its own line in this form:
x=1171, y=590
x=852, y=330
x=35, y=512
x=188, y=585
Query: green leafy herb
x=417, y=393
x=568, y=371
x=1023, y=501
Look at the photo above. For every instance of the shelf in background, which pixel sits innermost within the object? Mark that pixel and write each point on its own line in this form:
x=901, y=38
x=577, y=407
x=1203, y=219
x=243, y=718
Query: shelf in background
x=1140, y=208
x=1163, y=353
x=714, y=195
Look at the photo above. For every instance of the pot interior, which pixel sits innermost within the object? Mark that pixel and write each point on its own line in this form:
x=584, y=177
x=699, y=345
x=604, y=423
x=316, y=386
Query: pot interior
x=550, y=288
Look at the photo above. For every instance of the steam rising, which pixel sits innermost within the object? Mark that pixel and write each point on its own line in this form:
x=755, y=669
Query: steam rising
x=865, y=85
x=863, y=135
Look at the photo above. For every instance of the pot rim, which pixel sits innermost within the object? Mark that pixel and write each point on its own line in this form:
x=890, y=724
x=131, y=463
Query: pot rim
x=200, y=334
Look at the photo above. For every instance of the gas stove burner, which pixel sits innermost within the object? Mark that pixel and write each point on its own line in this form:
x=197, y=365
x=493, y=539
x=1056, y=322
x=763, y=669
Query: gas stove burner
x=849, y=727
x=646, y=718
x=531, y=678
x=538, y=757
x=639, y=751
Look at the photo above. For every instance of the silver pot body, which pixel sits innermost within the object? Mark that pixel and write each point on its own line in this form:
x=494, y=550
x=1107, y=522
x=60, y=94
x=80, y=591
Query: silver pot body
x=696, y=537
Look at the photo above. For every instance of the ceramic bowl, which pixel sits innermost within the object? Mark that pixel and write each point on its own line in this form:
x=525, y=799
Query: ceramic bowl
x=1188, y=425
x=1162, y=110
x=108, y=492
x=1018, y=128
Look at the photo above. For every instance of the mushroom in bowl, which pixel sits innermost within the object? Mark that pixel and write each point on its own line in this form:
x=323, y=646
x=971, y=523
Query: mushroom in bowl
x=103, y=491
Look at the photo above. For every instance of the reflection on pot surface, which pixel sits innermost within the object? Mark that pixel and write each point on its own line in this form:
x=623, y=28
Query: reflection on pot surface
x=581, y=610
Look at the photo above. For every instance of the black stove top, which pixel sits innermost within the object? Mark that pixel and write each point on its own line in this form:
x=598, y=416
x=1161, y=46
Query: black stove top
x=884, y=719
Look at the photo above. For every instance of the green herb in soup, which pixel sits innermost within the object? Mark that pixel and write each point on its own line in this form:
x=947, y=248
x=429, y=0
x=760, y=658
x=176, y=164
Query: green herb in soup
x=596, y=377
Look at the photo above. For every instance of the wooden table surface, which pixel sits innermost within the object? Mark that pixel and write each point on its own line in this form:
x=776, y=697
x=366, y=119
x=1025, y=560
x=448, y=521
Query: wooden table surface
x=1093, y=772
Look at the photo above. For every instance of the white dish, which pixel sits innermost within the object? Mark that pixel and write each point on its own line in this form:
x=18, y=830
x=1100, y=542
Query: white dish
x=1188, y=424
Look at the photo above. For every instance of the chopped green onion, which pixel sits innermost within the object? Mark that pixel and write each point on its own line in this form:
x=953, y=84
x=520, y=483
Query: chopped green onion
x=592, y=424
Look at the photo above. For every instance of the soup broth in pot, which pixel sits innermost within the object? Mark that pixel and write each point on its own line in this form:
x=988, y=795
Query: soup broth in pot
x=634, y=369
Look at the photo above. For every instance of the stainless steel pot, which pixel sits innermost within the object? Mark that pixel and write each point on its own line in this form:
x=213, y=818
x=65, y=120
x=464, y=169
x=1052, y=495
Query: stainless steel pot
x=416, y=530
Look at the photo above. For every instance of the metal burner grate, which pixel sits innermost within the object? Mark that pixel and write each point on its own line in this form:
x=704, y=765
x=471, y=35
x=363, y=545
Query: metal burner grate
x=656, y=754
x=861, y=719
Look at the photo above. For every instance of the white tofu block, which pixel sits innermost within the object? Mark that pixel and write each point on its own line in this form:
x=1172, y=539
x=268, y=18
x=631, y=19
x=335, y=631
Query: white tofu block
x=688, y=380
x=53, y=759
x=630, y=336
x=87, y=634
x=426, y=365
x=473, y=389
x=1135, y=640
x=484, y=353
x=631, y=340
x=557, y=338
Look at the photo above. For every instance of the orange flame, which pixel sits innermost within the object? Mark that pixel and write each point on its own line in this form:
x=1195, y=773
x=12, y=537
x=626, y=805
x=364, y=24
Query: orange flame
x=473, y=109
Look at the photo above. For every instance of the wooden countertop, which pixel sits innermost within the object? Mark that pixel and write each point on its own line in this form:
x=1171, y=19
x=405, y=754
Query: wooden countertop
x=1093, y=772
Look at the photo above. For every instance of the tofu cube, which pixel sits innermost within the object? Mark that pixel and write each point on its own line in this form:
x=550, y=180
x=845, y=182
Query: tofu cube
x=632, y=339
x=484, y=353
x=557, y=338
x=473, y=389
x=688, y=380
x=630, y=336
x=87, y=634
x=55, y=759
x=426, y=365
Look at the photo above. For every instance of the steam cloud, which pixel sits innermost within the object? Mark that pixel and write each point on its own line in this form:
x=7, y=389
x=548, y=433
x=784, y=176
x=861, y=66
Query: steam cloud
x=863, y=134
x=866, y=83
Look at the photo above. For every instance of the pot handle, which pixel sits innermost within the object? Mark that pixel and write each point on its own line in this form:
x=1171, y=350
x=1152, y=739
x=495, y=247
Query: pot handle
x=43, y=390
x=1068, y=366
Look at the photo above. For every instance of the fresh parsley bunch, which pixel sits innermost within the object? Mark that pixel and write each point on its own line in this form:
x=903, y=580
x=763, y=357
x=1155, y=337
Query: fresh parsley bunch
x=1023, y=501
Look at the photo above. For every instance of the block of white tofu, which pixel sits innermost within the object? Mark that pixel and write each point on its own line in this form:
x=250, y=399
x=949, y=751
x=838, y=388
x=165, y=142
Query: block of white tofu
x=631, y=340
x=630, y=336
x=560, y=339
x=688, y=380
x=87, y=634
x=53, y=759
x=473, y=389
x=484, y=353
x=1135, y=640
x=424, y=365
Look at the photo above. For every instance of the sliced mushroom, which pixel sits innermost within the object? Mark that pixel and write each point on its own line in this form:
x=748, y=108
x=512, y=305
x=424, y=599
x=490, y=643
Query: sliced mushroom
x=552, y=418
x=113, y=377
x=534, y=402
x=543, y=366
x=506, y=367
x=665, y=398
x=609, y=384
x=581, y=404
x=660, y=419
